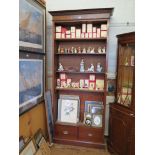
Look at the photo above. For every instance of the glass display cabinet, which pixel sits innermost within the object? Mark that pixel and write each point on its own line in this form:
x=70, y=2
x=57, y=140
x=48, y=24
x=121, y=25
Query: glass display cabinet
x=121, y=138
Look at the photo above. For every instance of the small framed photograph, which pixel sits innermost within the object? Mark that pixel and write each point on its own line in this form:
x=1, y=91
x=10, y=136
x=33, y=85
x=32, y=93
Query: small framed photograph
x=63, y=76
x=97, y=120
x=91, y=85
x=86, y=83
x=68, y=110
x=92, y=77
x=99, y=84
x=29, y=149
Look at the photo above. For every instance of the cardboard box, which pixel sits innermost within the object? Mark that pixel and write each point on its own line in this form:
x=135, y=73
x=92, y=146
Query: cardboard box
x=58, y=35
x=82, y=35
x=72, y=35
x=63, y=35
x=86, y=35
x=94, y=29
x=73, y=29
x=78, y=33
x=83, y=28
x=90, y=35
x=94, y=35
x=104, y=34
x=58, y=28
x=89, y=28
x=103, y=27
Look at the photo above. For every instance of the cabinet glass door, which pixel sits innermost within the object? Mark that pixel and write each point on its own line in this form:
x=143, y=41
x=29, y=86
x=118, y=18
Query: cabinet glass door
x=125, y=75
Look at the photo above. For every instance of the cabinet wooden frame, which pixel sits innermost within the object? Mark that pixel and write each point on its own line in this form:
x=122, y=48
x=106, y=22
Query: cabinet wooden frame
x=77, y=18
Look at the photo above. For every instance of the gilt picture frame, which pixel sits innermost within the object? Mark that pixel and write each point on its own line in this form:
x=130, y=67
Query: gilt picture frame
x=32, y=26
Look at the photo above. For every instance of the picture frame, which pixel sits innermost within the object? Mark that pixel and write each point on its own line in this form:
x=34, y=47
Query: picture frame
x=32, y=25
x=97, y=120
x=37, y=137
x=21, y=143
x=29, y=148
x=31, y=81
x=49, y=115
x=68, y=110
x=43, y=146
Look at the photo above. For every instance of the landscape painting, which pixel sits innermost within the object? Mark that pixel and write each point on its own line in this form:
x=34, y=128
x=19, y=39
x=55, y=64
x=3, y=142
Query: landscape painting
x=30, y=82
x=31, y=25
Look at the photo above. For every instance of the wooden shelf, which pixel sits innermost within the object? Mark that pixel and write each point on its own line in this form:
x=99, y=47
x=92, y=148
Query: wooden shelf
x=126, y=66
x=81, y=54
x=80, y=89
x=74, y=72
x=80, y=39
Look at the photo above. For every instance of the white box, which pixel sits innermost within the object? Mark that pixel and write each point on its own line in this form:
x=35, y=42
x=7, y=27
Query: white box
x=72, y=35
x=103, y=33
x=89, y=28
x=58, y=35
x=62, y=35
x=78, y=33
x=103, y=26
x=73, y=29
x=86, y=35
x=82, y=35
x=58, y=28
x=90, y=35
x=84, y=28
x=94, y=29
x=68, y=32
x=94, y=35
x=68, y=36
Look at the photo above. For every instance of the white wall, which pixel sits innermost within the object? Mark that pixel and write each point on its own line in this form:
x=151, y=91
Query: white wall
x=124, y=12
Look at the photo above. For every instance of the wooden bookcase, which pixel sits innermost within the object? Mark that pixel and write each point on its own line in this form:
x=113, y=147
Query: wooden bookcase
x=122, y=112
x=79, y=134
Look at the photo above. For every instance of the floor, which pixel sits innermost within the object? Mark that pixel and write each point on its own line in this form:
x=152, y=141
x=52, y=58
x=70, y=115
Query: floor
x=58, y=149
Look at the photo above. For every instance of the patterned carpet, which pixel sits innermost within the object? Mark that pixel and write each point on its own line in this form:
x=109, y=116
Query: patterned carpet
x=57, y=149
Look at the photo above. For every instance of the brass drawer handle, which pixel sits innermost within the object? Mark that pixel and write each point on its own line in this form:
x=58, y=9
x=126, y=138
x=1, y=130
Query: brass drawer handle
x=65, y=132
x=90, y=135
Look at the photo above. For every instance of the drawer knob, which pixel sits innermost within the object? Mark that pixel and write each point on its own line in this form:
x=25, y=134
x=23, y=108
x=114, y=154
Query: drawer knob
x=65, y=132
x=90, y=135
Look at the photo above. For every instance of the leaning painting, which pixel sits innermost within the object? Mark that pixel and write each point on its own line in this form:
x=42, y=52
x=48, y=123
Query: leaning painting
x=30, y=83
x=31, y=26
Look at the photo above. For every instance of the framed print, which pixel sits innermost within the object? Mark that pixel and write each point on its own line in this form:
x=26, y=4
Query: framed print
x=31, y=26
x=29, y=149
x=49, y=115
x=31, y=81
x=68, y=110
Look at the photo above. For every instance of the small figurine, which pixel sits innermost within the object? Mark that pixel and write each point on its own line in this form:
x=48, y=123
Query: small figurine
x=79, y=49
x=62, y=50
x=60, y=67
x=92, y=50
x=99, y=50
x=91, y=68
x=84, y=50
x=66, y=51
x=72, y=49
x=75, y=50
x=103, y=50
x=98, y=68
x=89, y=49
x=59, y=49
x=82, y=66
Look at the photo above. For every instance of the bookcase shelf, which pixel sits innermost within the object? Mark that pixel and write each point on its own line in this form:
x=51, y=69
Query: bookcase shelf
x=63, y=21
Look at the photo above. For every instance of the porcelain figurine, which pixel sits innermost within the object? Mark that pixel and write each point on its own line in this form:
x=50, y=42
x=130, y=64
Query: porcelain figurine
x=60, y=67
x=91, y=68
x=98, y=68
x=82, y=66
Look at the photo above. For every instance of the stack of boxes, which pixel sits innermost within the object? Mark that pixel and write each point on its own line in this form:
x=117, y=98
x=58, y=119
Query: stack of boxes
x=87, y=31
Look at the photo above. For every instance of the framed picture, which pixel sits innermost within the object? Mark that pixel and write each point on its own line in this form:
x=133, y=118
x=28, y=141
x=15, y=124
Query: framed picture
x=29, y=149
x=37, y=137
x=97, y=120
x=31, y=81
x=49, y=115
x=31, y=26
x=68, y=110
x=43, y=146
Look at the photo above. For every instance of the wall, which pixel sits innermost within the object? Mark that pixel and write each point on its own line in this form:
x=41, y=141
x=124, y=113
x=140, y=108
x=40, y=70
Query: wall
x=122, y=21
x=32, y=120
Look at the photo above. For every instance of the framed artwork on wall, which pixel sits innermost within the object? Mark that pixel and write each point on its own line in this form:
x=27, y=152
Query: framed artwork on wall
x=31, y=81
x=31, y=26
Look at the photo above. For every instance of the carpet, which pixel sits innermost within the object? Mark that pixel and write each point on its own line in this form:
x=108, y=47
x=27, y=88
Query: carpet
x=58, y=149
